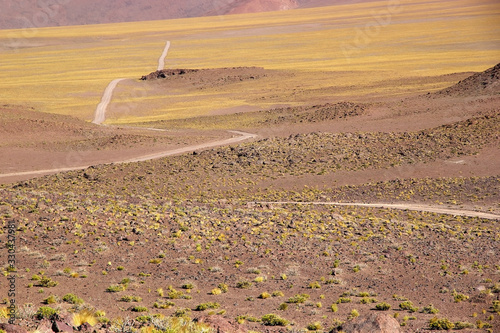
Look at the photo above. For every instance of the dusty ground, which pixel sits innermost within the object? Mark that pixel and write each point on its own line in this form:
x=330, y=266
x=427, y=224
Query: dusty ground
x=189, y=223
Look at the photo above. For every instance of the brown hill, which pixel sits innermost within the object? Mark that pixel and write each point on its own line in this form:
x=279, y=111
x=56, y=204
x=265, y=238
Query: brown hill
x=35, y=14
x=483, y=83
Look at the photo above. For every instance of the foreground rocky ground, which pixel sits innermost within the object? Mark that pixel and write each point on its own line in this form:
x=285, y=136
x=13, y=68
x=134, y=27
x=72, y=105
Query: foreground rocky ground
x=200, y=236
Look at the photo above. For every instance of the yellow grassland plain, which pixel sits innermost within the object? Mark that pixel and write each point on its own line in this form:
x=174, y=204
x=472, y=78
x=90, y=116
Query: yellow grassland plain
x=332, y=53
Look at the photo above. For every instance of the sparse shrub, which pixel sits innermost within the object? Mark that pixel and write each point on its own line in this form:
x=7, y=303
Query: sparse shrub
x=205, y=306
x=278, y=293
x=264, y=295
x=188, y=286
x=45, y=312
x=457, y=297
x=163, y=304
x=316, y=326
x=216, y=291
x=334, y=307
x=344, y=300
x=223, y=287
x=382, y=306
x=72, y=299
x=460, y=325
x=273, y=320
x=115, y=288
x=353, y=314
x=408, y=305
x=244, y=284
x=440, y=324
x=298, y=299
x=129, y=298
x=155, y=261
x=367, y=300
x=259, y=279
x=47, y=282
x=430, y=309
x=283, y=307
x=138, y=308
x=51, y=300
x=84, y=316
x=314, y=285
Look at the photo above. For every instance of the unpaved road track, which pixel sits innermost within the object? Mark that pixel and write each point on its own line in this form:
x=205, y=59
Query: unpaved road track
x=161, y=60
x=100, y=112
x=100, y=117
x=241, y=136
x=415, y=207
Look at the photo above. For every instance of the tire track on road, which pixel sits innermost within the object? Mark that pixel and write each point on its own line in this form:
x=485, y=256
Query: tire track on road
x=415, y=207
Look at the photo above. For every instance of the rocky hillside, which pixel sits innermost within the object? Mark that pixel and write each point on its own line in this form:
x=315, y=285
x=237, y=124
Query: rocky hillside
x=483, y=83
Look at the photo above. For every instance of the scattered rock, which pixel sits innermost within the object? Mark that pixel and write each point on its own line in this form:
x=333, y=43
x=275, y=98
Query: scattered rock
x=59, y=326
x=9, y=328
x=373, y=323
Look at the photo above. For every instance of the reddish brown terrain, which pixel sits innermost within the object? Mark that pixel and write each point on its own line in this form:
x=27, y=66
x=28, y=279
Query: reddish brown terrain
x=234, y=233
x=36, y=14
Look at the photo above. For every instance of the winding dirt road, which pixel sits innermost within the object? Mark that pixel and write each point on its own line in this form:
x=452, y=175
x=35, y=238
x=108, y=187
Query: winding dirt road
x=161, y=60
x=241, y=136
x=100, y=112
x=415, y=207
x=100, y=117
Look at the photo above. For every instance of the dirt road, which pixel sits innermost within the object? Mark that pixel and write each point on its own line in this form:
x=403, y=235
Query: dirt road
x=161, y=60
x=241, y=136
x=409, y=206
x=100, y=112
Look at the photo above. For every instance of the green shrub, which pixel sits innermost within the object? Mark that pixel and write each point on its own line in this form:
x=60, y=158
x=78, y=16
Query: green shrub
x=163, y=304
x=430, y=309
x=45, y=312
x=459, y=297
x=244, y=284
x=51, y=300
x=205, y=306
x=115, y=288
x=138, y=308
x=223, y=287
x=47, y=282
x=314, y=285
x=273, y=320
x=129, y=298
x=283, y=307
x=316, y=326
x=72, y=299
x=382, y=306
x=298, y=299
x=459, y=325
x=440, y=324
x=343, y=300
x=265, y=295
x=408, y=305
x=367, y=300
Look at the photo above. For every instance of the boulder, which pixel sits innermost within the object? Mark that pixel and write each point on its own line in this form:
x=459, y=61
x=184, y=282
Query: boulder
x=59, y=326
x=373, y=323
x=9, y=328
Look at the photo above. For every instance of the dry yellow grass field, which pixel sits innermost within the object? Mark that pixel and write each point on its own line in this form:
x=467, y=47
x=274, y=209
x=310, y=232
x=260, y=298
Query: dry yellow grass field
x=334, y=53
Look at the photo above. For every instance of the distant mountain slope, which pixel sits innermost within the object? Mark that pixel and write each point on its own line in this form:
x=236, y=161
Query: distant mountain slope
x=43, y=13
x=47, y=13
